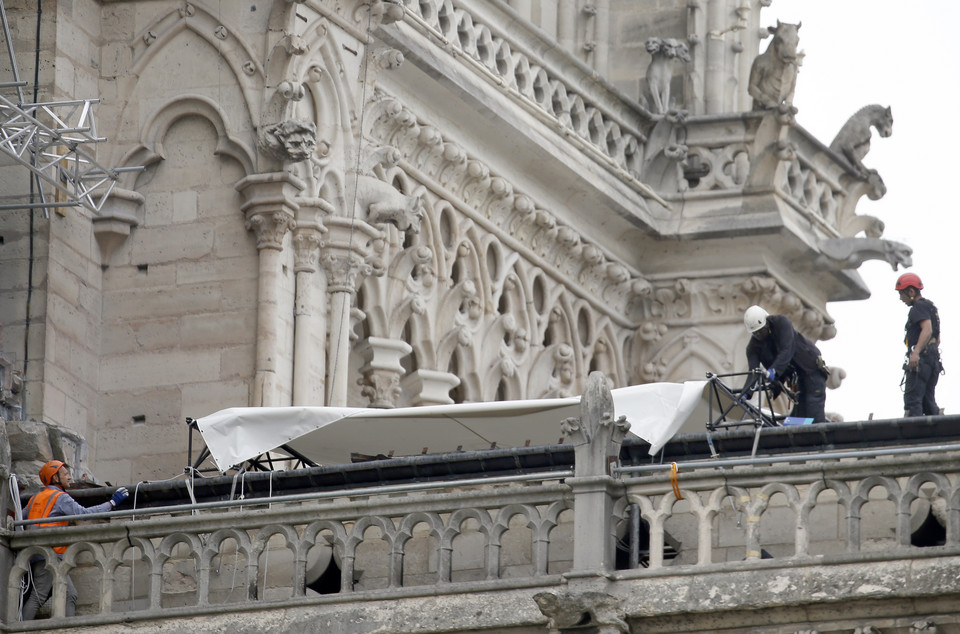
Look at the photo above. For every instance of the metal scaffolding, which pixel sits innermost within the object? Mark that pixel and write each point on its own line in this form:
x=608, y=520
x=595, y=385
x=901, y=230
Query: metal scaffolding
x=54, y=141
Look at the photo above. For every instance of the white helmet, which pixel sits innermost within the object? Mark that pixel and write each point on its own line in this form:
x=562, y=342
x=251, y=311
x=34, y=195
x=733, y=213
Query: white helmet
x=755, y=318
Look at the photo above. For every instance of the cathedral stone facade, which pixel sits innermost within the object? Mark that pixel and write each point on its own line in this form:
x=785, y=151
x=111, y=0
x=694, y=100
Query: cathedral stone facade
x=394, y=203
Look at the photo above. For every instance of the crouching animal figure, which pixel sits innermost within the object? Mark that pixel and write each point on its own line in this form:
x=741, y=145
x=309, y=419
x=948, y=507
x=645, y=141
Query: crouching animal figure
x=773, y=75
x=567, y=610
x=853, y=140
x=382, y=203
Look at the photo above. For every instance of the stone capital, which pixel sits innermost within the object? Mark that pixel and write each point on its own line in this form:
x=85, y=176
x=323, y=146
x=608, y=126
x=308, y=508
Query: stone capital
x=382, y=369
x=270, y=206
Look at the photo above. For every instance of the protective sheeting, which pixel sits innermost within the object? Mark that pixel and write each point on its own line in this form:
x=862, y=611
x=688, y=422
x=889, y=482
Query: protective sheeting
x=328, y=435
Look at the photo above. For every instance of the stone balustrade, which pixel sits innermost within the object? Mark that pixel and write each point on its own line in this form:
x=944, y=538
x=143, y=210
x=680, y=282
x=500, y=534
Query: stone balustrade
x=368, y=545
x=533, y=70
x=842, y=508
x=750, y=154
x=338, y=544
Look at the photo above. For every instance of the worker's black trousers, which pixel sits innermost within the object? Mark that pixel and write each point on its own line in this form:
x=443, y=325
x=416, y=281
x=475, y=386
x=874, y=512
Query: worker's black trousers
x=811, y=397
x=920, y=385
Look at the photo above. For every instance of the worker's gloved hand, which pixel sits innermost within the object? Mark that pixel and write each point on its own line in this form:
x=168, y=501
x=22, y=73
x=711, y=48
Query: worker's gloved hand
x=771, y=375
x=119, y=496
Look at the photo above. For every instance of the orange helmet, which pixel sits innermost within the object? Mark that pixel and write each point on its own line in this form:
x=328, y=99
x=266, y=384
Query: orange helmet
x=49, y=470
x=907, y=280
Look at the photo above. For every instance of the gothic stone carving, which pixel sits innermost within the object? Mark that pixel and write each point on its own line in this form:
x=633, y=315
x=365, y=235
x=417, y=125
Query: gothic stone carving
x=773, y=75
x=853, y=140
x=588, y=611
x=382, y=203
x=660, y=70
x=597, y=434
x=292, y=140
x=850, y=253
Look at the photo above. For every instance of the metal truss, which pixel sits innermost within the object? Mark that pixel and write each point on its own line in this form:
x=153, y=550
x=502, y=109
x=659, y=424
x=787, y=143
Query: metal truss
x=55, y=142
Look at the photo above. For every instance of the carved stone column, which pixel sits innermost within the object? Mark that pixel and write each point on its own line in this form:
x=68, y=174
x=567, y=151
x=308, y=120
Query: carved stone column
x=270, y=210
x=382, y=370
x=345, y=261
x=596, y=435
x=310, y=317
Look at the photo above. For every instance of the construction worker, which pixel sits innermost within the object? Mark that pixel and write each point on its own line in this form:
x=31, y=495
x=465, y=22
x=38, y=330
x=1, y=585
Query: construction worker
x=784, y=352
x=922, y=336
x=53, y=501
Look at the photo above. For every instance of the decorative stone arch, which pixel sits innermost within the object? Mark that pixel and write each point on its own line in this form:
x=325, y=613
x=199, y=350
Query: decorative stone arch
x=691, y=343
x=19, y=567
x=911, y=492
x=148, y=555
x=162, y=33
x=405, y=532
x=99, y=562
x=454, y=529
x=605, y=353
x=195, y=548
x=861, y=496
x=150, y=151
x=211, y=548
x=810, y=501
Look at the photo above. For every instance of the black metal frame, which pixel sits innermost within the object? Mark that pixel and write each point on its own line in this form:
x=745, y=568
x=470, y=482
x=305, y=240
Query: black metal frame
x=750, y=414
x=737, y=399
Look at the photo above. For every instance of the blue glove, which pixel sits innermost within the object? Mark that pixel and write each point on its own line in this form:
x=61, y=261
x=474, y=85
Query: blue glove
x=771, y=375
x=119, y=496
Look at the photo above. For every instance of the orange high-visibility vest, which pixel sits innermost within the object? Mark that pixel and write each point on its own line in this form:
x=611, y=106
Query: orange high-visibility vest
x=40, y=506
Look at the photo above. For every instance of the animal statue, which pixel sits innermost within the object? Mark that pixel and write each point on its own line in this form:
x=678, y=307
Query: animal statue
x=850, y=253
x=853, y=140
x=660, y=70
x=568, y=609
x=773, y=74
x=382, y=203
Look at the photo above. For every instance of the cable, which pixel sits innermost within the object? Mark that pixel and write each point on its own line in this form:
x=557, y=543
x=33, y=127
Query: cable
x=356, y=185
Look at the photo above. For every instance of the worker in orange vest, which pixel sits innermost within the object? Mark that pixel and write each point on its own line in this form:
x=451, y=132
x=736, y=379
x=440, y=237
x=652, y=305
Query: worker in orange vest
x=54, y=501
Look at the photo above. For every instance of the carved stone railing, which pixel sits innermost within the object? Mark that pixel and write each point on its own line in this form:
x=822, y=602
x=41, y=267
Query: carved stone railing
x=828, y=526
x=363, y=542
x=888, y=505
x=818, y=513
x=702, y=160
x=537, y=72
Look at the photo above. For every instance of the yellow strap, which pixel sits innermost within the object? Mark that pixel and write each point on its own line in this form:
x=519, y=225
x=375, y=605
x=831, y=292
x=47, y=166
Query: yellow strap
x=673, y=480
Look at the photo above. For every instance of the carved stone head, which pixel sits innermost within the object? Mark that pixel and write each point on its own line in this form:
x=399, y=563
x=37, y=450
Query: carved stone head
x=786, y=39
x=292, y=140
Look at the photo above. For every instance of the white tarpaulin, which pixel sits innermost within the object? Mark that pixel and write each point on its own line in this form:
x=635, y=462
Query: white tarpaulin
x=328, y=435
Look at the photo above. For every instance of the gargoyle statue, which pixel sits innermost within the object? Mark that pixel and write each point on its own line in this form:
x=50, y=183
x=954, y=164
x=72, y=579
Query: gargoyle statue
x=660, y=70
x=850, y=253
x=853, y=140
x=567, y=609
x=773, y=74
x=382, y=203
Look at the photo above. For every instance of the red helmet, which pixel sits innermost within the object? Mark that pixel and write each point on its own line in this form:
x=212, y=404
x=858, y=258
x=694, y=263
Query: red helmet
x=49, y=470
x=907, y=280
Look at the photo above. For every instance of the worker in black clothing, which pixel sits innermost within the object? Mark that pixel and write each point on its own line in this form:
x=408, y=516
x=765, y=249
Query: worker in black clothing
x=783, y=351
x=922, y=336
